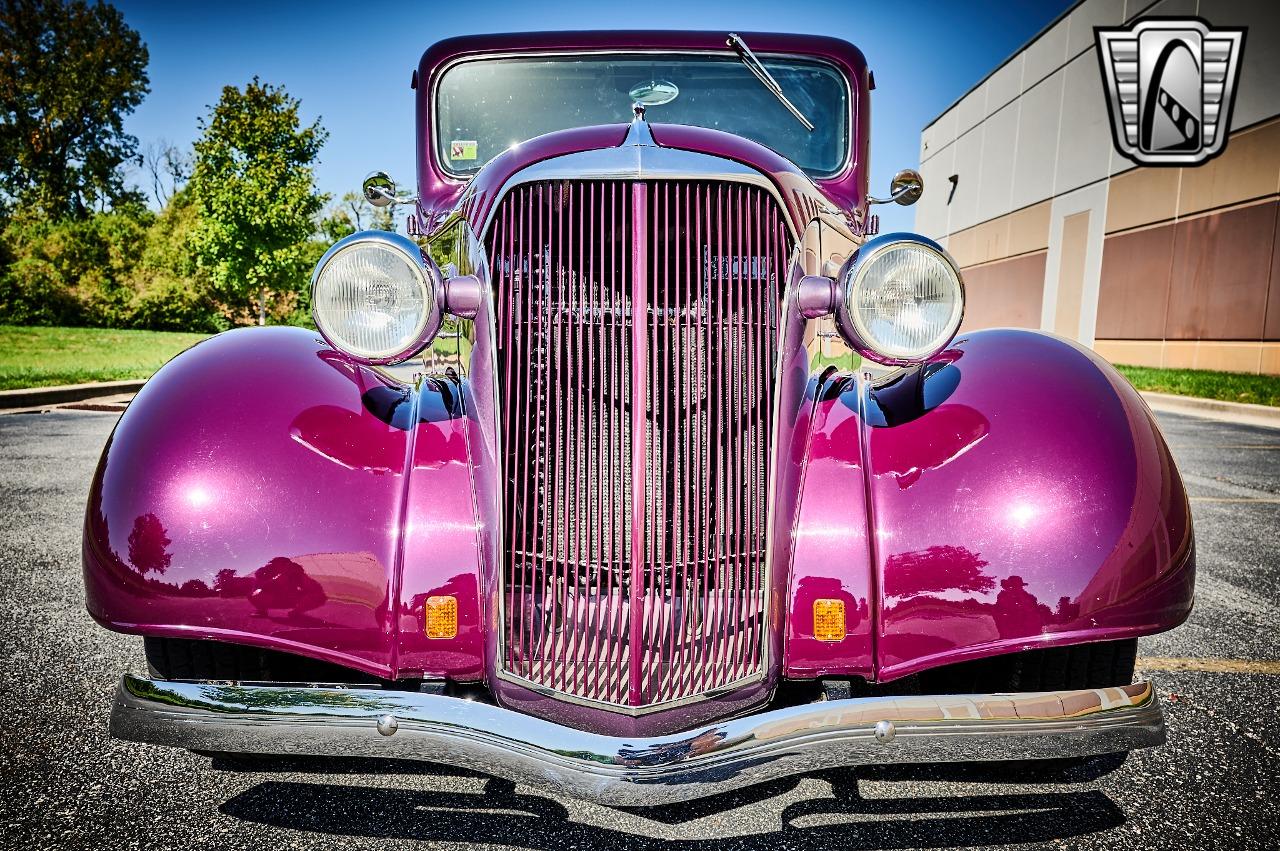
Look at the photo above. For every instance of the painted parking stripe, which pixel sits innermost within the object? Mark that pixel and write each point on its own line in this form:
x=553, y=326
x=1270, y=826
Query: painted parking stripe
x=1211, y=666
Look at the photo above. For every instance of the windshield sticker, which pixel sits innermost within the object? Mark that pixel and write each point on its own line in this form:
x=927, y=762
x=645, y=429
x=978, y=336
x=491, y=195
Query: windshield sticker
x=462, y=149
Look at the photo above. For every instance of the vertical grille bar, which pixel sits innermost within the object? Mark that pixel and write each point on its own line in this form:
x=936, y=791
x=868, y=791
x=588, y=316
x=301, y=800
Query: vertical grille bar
x=637, y=328
x=639, y=427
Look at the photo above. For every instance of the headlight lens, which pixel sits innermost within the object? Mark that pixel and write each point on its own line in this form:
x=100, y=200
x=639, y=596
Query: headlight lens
x=374, y=298
x=903, y=300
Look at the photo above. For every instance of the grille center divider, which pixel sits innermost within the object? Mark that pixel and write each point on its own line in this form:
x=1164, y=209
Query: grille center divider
x=634, y=550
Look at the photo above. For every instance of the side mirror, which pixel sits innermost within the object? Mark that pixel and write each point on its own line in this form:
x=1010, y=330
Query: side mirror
x=906, y=188
x=380, y=190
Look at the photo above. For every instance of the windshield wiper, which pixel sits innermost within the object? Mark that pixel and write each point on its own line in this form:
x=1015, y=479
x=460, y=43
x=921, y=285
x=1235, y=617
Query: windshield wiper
x=762, y=74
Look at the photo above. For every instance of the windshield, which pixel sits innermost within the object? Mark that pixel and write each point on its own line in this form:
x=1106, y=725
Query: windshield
x=485, y=106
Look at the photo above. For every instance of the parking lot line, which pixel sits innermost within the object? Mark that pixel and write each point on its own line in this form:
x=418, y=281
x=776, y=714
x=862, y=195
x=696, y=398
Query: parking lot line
x=1210, y=666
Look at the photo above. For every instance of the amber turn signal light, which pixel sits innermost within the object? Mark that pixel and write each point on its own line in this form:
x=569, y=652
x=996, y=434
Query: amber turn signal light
x=828, y=620
x=442, y=617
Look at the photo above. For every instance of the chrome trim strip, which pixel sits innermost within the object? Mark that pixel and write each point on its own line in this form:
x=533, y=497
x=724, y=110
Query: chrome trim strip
x=361, y=722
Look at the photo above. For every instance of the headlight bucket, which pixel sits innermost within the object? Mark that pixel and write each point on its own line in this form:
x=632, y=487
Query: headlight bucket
x=899, y=299
x=377, y=297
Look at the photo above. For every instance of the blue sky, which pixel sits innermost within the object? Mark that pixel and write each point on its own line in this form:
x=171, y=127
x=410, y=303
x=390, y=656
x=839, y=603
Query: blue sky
x=350, y=63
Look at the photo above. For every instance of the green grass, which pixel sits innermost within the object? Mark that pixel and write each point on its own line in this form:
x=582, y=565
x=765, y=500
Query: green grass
x=1227, y=386
x=39, y=357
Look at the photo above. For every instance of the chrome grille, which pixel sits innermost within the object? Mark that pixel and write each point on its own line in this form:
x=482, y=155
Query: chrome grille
x=634, y=554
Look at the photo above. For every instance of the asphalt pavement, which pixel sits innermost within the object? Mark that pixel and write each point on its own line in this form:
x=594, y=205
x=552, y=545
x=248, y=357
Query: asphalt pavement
x=64, y=783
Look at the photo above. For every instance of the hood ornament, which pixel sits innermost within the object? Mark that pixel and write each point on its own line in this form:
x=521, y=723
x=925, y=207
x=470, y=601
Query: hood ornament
x=639, y=134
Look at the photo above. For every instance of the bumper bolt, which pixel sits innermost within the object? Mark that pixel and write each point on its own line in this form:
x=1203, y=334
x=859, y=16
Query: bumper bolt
x=885, y=731
x=387, y=725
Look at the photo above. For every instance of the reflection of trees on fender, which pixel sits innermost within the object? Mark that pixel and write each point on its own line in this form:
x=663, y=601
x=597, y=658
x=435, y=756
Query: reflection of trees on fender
x=914, y=580
x=232, y=698
x=941, y=568
x=148, y=545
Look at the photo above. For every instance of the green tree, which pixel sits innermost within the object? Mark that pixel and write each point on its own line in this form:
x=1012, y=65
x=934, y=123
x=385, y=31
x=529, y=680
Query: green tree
x=354, y=213
x=171, y=293
x=69, y=73
x=254, y=186
x=72, y=271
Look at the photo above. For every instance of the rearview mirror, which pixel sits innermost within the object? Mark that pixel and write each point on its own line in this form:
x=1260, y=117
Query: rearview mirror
x=380, y=189
x=906, y=188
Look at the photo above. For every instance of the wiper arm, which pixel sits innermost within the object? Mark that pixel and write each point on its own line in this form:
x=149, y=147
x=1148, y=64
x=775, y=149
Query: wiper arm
x=762, y=74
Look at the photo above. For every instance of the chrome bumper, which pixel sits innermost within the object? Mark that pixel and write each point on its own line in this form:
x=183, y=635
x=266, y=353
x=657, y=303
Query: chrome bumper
x=332, y=721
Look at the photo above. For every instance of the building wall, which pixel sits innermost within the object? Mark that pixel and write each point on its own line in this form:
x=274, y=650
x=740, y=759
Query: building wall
x=1056, y=230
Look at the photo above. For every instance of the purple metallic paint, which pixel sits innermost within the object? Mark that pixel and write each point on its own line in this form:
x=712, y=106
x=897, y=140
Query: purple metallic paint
x=1020, y=495
x=254, y=492
x=264, y=489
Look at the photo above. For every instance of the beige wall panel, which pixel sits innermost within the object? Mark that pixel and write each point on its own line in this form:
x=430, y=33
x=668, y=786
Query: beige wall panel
x=1005, y=84
x=1258, y=93
x=1133, y=293
x=1004, y=294
x=999, y=140
x=991, y=240
x=968, y=165
x=1142, y=196
x=971, y=109
x=1075, y=243
x=1248, y=168
x=1131, y=352
x=962, y=248
x=938, y=135
x=1090, y=14
x=1213, y=354
x=1221, y=270
x=1228, y=357
x=1045, y=55
x=1207, y=355
x=932, y=210
x=1029, y=228
x=1269, y=363
x=1037, y=151
x=1084, y=141
x=1179, y=354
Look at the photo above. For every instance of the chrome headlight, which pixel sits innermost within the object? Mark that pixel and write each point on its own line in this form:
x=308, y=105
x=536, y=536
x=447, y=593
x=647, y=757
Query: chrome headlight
x=901, y=299
x=375, y=296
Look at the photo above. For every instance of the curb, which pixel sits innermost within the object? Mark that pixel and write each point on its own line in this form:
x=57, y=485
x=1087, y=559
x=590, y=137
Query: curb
x=1214, y=409
x=31, y=397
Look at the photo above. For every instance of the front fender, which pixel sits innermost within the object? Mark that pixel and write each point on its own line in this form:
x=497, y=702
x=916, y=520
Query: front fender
x=265, y=489
x=1019, y=494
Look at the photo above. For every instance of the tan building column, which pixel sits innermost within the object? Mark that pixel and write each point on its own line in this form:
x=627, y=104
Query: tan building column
x=1077, y=224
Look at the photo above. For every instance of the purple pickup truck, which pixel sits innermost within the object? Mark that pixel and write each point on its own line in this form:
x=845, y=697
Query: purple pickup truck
x=697, y=481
